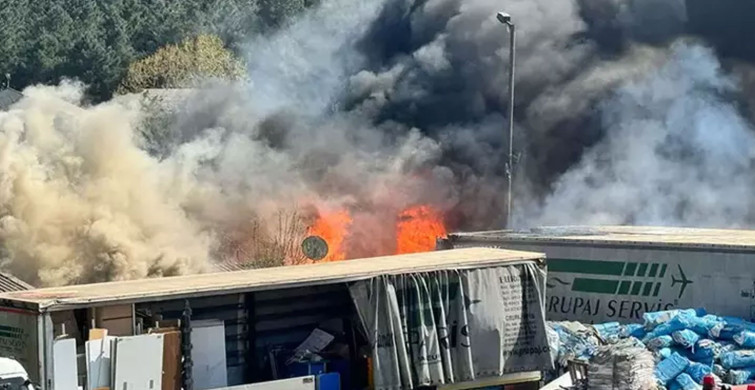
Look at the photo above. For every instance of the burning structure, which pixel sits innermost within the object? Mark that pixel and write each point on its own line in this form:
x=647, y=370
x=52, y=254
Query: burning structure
x=416, y=230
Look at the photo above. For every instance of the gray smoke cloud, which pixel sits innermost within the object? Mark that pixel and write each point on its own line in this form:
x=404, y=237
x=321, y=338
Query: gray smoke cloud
x=375, y=106
x=676, y=151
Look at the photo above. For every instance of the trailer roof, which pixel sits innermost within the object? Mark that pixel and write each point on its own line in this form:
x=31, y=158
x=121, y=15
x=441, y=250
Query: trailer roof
x=621, y=235
x=62, y=298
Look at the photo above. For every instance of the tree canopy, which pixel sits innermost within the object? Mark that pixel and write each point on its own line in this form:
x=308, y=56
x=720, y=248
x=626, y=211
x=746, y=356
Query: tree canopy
x=180, y=65
x=95, y=41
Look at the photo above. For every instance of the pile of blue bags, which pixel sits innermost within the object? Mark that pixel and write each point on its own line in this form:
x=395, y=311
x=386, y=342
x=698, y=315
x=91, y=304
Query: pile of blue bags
x=687, y=345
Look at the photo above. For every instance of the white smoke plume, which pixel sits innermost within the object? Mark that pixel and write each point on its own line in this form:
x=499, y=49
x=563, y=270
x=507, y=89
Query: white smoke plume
x=80, y=201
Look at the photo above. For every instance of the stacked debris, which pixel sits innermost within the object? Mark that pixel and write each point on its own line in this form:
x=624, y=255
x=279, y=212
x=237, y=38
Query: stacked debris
x=686, y=345
x=626, y=365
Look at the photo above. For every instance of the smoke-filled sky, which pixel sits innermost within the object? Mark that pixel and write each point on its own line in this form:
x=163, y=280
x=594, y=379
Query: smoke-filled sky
x=625, y=114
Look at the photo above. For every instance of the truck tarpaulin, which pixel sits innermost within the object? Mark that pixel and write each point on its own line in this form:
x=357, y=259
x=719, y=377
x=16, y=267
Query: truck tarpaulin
x=454, y=326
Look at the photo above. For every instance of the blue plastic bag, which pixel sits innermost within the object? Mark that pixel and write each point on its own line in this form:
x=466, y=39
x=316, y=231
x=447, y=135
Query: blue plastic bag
x=674, y=386
x=608, y=331
x=703, y=325
x=732, y=326
x=705, y=348
x=664, y=352
x=739, y=322
x=727, y=346
x=659, y=342
x=685, y=337
x=633, y=330
x=741, y=376
x=680, y=322
x=745, y=339
x=698, y=370
x=686, y=382
x=654, y=319
x=719, y=370
x=738, y=359
x=554, y=342
x=669, y=368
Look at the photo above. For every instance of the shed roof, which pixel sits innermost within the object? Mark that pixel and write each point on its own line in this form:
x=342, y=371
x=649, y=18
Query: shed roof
x=61, y=298
x=10, y=283
x=680, y=237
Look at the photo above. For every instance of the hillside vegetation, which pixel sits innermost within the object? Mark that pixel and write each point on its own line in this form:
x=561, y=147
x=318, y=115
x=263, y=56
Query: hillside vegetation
x=96, y=41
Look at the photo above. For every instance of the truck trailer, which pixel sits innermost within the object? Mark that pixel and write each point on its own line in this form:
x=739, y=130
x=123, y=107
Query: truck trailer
x=458, y=319
x=617, y=273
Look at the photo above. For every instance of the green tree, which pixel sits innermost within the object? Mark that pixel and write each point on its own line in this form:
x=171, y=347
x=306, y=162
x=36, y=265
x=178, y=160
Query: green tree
x=14, y=39
x=96, y=40
x=182, y=65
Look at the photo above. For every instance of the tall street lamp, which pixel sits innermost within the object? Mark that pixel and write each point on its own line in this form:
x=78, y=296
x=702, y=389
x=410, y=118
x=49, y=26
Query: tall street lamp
x=505, y=19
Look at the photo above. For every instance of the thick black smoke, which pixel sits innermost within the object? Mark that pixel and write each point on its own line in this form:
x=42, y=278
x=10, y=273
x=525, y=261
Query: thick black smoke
x=440, y=65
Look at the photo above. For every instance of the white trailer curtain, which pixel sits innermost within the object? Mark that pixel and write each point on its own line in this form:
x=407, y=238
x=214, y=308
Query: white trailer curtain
x=454, y=326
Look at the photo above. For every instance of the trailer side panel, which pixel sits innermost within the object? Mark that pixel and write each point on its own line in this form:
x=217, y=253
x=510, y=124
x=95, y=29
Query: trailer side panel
x=19, y=339
x=597, y=283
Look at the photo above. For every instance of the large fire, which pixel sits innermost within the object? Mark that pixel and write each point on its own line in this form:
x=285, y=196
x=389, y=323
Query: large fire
x=333, y=228
x=416, y=229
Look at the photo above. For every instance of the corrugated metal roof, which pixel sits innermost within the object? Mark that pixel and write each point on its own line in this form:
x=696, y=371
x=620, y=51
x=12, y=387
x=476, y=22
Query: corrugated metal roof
x=259, y=279
x=10, y=283
x=9, y=96
x=628, y=235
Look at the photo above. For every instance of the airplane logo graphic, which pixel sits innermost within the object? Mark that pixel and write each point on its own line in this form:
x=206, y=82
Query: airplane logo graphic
x=682, y=280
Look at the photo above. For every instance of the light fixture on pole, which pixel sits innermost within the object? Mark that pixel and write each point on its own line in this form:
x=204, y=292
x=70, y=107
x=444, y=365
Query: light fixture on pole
x=505, y=19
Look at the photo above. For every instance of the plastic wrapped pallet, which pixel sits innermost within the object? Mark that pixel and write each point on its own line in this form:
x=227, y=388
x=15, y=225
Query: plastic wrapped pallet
x=626, y=365
x=670, y=367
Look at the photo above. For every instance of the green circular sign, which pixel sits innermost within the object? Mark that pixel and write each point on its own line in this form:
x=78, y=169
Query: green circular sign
x=314, y=247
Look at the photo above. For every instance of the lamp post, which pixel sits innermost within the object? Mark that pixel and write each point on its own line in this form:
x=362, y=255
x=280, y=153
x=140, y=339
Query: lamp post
x=505, y=19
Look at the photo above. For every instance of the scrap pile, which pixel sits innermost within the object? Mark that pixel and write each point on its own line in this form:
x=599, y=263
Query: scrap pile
x=684, y=345
x=626, y=365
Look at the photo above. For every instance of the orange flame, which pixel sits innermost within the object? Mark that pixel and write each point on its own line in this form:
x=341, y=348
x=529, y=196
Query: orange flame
x=332, y=227
x=417, y=229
